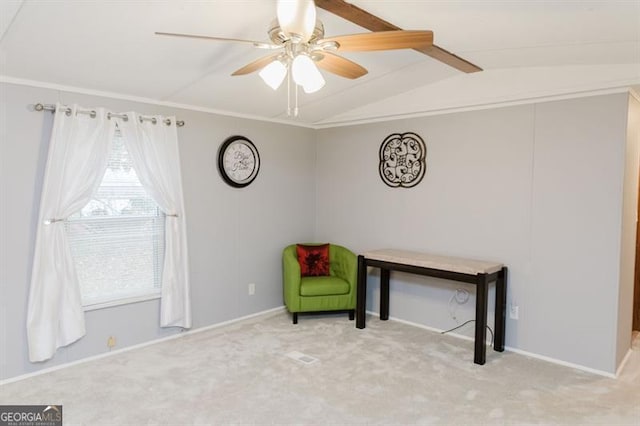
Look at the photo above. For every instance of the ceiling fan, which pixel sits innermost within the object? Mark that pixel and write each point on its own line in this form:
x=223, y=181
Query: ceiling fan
x=298, y=45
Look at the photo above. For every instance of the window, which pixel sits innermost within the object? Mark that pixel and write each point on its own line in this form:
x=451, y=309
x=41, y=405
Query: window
x=117, y=239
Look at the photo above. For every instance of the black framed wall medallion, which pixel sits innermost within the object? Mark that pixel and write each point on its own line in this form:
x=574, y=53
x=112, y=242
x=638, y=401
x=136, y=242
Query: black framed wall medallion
x=402, y=160
x=238, y=161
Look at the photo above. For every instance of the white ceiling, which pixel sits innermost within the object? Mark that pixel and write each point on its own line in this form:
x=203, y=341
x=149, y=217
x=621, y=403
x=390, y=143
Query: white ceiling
x=528, y=49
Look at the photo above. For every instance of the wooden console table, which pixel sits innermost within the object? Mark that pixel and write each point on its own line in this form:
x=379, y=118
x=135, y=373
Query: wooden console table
x=450, y=268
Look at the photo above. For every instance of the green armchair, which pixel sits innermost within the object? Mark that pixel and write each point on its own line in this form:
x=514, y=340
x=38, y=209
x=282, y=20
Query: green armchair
x=335, y=292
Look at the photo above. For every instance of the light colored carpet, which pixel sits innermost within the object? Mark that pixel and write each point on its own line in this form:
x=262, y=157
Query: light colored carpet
x=389, y=373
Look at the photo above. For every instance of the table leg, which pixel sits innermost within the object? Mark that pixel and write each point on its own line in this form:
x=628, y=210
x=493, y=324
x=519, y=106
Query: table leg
x=361, y=293
x=501, y=310
x=384, y=294
x=480, y=351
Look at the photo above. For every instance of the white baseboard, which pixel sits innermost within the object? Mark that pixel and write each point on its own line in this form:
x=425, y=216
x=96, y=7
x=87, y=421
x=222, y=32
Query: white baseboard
x=281, y=308
x=140, y=345
x=560, y=362
x=516, y=350
x=624, y=362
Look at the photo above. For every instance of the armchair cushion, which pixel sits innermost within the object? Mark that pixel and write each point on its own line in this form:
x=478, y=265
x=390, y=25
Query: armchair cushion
x=323, y=286
x=313, y=260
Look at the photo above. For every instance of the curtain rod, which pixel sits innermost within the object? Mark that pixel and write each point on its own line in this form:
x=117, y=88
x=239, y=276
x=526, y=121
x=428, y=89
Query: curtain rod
x=52, y=108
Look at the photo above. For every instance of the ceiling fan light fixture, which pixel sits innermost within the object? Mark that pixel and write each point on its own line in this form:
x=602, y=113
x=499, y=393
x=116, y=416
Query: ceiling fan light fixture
x=315, y=85
x=306, y=74
x=297, y=18
x=273, y=74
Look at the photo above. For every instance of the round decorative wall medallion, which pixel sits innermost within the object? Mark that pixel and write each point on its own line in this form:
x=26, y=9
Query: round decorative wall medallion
x=402, y=160
x=238, y=161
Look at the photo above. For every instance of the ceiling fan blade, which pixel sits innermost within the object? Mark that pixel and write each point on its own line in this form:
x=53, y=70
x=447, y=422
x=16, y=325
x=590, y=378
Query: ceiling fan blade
x=341, y=66
x=256, y=65
x=258, y=44
x=371, y=22
x=382, y=40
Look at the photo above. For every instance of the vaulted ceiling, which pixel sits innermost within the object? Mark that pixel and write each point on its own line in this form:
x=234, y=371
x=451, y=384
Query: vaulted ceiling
x=528, y=49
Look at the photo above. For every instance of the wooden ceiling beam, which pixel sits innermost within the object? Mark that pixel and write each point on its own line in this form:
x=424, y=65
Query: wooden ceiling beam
x=371, y=22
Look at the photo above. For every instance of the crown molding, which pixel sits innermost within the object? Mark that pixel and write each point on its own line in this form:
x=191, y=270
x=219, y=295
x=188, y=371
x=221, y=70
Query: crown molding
x=481, y=106
x=124, y=97
x=622, y=88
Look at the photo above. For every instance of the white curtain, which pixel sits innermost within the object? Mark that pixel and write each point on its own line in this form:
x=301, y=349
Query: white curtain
x=76, y=163
x=153, y=147
x=77, y=159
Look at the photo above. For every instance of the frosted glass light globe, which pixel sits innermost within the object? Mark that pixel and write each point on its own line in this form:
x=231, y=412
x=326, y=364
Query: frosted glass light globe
x=305, y=73
x=297, y=18
x=273, y=74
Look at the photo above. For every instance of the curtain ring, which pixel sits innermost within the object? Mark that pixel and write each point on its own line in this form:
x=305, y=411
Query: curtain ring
x=124, y=117
x=92, y=114
x=167, y=122
x=152, y=119
x=68, y=112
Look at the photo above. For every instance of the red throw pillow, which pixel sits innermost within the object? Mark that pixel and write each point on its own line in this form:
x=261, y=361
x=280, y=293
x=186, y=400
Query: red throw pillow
x=313, y=260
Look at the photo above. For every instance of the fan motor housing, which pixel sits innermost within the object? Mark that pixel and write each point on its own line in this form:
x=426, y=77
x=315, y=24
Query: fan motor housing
x=278, y=36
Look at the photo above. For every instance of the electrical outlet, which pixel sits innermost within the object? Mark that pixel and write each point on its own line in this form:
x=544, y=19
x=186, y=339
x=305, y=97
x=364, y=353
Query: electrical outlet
x=252, y=289
x=514, y=312
x=111, y=342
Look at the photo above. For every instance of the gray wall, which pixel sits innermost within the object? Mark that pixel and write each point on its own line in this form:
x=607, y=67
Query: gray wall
x=235, y=236
x=538, y=187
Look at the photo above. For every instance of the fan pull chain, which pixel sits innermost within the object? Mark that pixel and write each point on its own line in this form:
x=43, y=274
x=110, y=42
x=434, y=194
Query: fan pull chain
x=295, y=108
x=292, y=111
x=288, y=94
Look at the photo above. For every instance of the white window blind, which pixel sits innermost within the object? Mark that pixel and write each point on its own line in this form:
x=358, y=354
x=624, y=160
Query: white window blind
x=117, y=239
